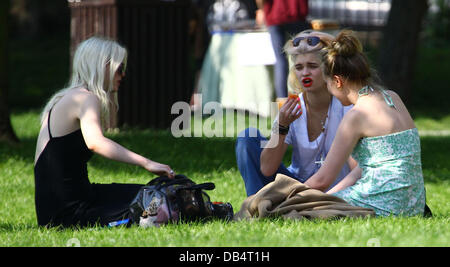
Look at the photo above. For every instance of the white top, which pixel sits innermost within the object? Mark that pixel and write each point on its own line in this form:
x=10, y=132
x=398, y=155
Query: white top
x=305, y=154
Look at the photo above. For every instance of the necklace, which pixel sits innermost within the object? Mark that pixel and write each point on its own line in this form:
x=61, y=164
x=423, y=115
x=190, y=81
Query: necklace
x=322, y=122
x=319, y=157
x=321, y=117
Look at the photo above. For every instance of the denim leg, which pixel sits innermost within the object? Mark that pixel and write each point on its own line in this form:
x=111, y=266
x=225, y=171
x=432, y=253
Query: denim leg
x=277, y=35
x=248, y=152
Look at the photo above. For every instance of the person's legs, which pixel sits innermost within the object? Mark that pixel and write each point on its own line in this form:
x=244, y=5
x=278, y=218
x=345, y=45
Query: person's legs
x=277, y=36
x=248, y=152
x=112, y=202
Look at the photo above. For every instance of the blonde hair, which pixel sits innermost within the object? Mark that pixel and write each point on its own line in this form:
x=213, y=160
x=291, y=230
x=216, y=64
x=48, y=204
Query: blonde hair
x=89, y=67
x=303, y=48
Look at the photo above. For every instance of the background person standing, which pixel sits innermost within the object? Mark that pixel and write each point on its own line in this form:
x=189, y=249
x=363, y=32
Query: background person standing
x=282, y=18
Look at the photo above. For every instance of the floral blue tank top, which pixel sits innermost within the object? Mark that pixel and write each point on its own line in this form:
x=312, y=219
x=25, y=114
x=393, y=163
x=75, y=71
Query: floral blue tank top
x=391, y=182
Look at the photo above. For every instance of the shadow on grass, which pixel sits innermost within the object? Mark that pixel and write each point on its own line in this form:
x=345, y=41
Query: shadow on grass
x=206, y=155
x=192, y=154
x=23, y=150
x=435, y=159
x=184, y=154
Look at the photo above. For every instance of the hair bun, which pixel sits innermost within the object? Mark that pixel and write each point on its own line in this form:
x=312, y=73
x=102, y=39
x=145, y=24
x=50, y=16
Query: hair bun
x=346, y=44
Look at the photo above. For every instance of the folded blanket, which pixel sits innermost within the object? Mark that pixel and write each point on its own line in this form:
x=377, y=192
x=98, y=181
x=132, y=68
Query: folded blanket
x=288, y=198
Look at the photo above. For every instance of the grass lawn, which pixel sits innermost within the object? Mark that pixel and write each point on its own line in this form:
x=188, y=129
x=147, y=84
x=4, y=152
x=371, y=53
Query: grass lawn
x=33, y=80
x=213, y=159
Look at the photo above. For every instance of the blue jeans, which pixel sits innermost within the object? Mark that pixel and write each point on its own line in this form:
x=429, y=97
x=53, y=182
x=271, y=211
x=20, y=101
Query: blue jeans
x=248, y=152
x=278, y=37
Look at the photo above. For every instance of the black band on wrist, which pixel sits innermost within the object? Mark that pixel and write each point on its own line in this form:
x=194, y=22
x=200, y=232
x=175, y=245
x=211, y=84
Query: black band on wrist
x=283, y=130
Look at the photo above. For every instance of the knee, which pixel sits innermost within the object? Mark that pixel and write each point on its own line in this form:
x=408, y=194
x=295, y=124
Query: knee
x=248, y=135
x=247, y=138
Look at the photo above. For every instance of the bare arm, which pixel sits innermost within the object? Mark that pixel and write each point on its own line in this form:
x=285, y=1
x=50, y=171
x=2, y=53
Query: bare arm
x=259, y=16
x=347, y=136
x=273, y=153
x=352, y=163
x=348, y=180
x=90, y=125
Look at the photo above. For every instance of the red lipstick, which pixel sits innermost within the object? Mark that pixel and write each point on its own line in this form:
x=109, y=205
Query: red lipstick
x=307, y=82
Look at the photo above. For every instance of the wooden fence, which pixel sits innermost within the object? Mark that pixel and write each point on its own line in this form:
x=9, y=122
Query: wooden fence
x=155, y=32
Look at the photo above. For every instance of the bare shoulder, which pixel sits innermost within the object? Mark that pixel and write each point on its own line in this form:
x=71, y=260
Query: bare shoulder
x=354, y=121
x=356, y=115
x=394, y=95
x=398, y=101
x=83, y=93
x=85, y=97
x=405, y=118
x=86, y=101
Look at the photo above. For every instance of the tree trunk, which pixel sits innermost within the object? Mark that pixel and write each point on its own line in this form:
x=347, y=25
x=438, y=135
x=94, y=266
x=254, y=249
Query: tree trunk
x=6, y=130
x=398, y=49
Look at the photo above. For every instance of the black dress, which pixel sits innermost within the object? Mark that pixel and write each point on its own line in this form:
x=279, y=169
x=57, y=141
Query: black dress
x=63, y=194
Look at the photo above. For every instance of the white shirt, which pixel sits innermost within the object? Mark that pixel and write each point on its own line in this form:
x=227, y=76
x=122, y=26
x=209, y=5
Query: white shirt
x=305, y=154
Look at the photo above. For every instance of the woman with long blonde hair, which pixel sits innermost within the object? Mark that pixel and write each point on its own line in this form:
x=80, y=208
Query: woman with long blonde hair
x=72, y=130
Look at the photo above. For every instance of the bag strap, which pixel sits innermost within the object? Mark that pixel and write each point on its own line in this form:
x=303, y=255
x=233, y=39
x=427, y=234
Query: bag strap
x=159, y=180
x=164, y=181
x=204, y=186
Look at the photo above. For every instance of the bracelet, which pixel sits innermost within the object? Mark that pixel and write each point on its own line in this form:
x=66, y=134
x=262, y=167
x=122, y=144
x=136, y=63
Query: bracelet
x=279, y=129
x=283, y=130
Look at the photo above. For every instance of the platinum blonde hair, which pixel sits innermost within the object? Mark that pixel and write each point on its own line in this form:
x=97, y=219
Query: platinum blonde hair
x=95, y=62
x=303, y=48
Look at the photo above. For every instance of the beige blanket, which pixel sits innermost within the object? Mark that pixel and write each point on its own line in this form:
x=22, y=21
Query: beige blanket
x=288, y=198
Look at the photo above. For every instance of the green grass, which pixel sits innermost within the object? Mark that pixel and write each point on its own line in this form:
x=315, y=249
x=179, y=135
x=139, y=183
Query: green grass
x=39, y=68
x=210, y=159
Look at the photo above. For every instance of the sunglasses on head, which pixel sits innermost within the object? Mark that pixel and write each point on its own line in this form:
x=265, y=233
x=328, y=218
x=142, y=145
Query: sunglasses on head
x=310, y=40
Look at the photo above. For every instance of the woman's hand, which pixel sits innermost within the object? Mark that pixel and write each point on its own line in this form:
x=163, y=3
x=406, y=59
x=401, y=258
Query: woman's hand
x=159, y=169
x=289, y=112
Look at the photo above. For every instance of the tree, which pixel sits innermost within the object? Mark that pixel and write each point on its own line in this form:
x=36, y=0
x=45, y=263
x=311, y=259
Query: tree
x=398, y=48
x=6, y=130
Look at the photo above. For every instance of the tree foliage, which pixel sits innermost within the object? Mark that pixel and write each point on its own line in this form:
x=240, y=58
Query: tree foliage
x=6, y=131
x=398, y=50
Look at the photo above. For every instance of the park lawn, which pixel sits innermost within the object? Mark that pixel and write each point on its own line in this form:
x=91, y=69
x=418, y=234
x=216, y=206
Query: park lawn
x=212, y=159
